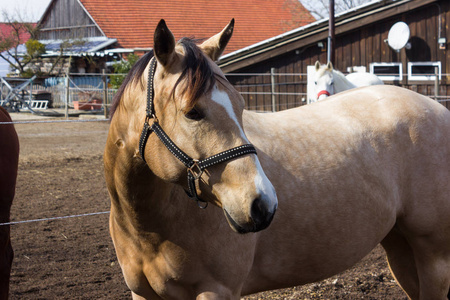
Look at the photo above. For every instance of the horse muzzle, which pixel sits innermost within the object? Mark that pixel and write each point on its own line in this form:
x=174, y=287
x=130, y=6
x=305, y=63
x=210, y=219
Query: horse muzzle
x=261, y=217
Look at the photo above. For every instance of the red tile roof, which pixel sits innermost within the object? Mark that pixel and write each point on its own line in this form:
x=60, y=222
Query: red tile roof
x=6, y=31
x=132, y=23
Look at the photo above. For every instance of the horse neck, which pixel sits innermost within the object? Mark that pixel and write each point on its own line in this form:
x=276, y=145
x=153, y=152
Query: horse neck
x=135, y=191
x=341, y=83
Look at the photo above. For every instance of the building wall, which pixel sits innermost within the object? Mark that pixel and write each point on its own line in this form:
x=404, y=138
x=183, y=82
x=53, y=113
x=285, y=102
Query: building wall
x=67, y=20
x=358, y=47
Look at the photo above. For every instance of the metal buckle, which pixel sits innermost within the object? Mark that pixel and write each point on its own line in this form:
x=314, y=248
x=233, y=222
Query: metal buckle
x=148, y=117
x=195, y=170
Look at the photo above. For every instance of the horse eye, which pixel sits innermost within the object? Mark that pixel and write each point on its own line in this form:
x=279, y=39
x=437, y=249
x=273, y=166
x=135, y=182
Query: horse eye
x=331, y=83
x=315, y=82
x=194, y=114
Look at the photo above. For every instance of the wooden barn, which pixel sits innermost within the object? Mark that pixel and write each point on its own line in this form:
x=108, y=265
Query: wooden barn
x=271, y=74
x=102, y=30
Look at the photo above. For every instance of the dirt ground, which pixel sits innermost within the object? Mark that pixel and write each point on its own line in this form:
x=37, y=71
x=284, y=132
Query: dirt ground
x=61, y=174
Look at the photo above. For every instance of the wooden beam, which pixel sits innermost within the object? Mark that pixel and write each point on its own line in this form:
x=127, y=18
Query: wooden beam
x=68, y=27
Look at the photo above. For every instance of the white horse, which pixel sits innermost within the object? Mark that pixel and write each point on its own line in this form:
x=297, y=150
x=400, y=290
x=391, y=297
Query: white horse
x=328, y=81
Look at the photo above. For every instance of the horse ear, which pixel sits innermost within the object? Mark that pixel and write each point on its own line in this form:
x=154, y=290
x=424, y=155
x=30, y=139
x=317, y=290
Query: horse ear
x=164, y=43
x=215, y=45
x=330, y=66
x=317, y=65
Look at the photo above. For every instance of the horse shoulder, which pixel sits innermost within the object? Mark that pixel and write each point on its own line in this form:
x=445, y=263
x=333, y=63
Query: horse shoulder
x=152, y=264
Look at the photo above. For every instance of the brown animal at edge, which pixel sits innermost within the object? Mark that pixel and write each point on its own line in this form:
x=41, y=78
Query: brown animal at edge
x=9, y=159
x=367, y=166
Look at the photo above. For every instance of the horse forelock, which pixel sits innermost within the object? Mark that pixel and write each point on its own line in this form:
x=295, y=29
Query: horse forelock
x=196, y=78
x=322, y=70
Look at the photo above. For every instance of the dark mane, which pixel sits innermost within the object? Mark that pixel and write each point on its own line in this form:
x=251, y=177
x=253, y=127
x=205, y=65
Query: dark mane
x=135, y=73
x=197, y=72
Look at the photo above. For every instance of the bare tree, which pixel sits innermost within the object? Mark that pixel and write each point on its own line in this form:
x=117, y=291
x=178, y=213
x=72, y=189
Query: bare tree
x=320, y=8
x=19, y=46
x=12, y=42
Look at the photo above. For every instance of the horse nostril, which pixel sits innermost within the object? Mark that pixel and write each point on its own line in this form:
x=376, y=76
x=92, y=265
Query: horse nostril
x=260, y=214
x=257, y=210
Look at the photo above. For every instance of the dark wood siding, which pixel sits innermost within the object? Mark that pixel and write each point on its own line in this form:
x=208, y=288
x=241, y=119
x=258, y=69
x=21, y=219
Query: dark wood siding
x=359, y=47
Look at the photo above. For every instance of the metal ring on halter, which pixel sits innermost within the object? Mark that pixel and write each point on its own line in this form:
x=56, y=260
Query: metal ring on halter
x=151, y=117
x=195, y=170
x=205, y=205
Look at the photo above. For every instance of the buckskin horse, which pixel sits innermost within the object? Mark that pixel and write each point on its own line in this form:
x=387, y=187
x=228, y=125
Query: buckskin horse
x=367, y=166
x=9, y=159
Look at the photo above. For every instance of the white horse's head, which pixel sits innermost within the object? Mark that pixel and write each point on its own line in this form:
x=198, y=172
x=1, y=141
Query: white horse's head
x=323, y=81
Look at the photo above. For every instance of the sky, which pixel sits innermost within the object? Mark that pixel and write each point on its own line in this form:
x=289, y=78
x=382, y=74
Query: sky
x=32, y=10
x=28, y=10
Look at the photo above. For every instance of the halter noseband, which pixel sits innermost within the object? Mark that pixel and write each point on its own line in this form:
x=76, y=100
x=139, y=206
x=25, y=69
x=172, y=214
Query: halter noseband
x=323, y=92
x=194, y=167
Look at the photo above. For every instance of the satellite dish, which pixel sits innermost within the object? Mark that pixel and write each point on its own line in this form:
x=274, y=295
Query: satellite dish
x=398, y=36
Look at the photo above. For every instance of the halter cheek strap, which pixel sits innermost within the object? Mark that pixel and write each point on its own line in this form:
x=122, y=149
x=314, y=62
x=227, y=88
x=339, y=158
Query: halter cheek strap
x=194, y=167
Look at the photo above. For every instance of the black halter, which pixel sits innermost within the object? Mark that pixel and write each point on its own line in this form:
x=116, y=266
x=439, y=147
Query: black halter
x=194, y=167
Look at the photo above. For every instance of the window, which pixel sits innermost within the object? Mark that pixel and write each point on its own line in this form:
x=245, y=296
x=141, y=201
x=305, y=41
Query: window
x=424, y=70
x=387, y=71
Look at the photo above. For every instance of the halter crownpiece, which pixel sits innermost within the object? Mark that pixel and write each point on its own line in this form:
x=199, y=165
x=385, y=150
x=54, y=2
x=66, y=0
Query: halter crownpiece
x=194, y=167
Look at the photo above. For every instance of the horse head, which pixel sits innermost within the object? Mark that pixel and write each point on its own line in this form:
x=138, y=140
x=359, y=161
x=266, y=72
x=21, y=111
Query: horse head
x=198, y=132
x=323, y=80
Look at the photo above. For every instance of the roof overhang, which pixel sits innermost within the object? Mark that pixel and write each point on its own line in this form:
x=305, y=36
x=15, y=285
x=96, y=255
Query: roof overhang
x=91, y=46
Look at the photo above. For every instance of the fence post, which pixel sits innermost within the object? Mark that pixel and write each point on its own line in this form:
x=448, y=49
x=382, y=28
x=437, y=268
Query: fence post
x=436, y=83
x=66, y=111
x=68, y=88
x=105, y=93
x=272, y=84
x=31, y=92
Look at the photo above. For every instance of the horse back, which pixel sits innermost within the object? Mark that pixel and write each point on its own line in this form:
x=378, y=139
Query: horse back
x=367, y=127
x=346, y=170
x=388, y=137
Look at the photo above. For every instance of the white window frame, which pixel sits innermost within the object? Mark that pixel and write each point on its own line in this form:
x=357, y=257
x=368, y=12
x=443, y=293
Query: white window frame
x=392, y=77
x=422, y=77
